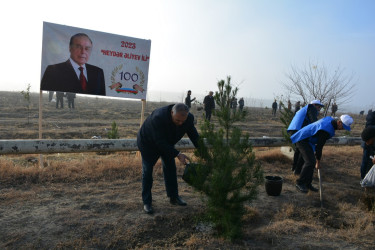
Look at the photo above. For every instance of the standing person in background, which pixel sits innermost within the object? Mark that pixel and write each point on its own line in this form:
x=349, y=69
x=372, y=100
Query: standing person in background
x=297, y=106
x=274, y=108
x=310, y=141
x=60, y=99
x=241, y=102
x=71, y=97
x=50, y=95
x=289, y=105
x=156, y=138
x=234, y=104
x=209, y=105
x=280, y=104
x=188, y=99
x=370, y=118
x=302, y=118
x=334, y=108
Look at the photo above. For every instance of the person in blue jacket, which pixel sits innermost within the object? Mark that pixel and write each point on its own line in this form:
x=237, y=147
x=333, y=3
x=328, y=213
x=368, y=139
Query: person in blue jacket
x=302, y=118
x=156, y=138
x=310, y=141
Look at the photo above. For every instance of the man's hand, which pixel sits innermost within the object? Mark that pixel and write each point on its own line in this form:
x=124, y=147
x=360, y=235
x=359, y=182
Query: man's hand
x=317, y=165
x=183, y=158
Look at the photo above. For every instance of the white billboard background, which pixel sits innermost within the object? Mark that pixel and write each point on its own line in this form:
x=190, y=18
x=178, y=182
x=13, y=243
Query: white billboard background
x=124, y=60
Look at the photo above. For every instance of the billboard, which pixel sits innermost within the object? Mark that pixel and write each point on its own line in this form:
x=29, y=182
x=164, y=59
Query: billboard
x=90, y=62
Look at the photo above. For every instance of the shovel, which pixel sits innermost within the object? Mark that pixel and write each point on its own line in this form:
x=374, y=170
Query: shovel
x=320, y=189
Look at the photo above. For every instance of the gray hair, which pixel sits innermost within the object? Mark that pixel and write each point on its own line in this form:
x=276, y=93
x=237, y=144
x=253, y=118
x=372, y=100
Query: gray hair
x=78, y=35
x=180, y=108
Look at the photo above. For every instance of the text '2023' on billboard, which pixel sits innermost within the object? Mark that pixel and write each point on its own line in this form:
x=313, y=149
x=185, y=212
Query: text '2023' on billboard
x=128, y=45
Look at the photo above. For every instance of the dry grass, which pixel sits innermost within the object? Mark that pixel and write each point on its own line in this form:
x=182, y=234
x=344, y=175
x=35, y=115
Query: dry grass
x=344, y=218
x=89, y=191
x=67, y=168
x=273, y=156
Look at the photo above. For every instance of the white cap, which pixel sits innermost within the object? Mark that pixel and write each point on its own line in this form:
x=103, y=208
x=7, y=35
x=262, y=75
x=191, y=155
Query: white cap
x=346, y=121
x=317, y=102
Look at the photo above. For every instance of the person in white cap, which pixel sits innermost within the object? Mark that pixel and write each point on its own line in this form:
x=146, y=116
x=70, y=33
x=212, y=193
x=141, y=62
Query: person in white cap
x=302, y=118
x=310, y=141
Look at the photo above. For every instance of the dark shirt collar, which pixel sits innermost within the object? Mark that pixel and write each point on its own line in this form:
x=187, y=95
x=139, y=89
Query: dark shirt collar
x=334, y=124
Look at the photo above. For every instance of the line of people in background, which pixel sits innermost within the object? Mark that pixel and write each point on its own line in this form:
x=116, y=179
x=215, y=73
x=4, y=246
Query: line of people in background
x=297, y=107
x=209, y=103
x=60, y=99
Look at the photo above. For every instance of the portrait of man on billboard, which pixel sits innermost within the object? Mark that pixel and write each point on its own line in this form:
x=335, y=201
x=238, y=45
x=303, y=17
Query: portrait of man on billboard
x=75, y=75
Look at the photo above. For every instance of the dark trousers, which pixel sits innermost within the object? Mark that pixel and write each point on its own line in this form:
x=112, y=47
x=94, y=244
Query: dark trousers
x=50, y=95
x=149, y=160
x=297, y=157
x=297, y=162
x=208, y=114
x=307, y=153
x=71, y=103
x=61, y=101
x=366, y=161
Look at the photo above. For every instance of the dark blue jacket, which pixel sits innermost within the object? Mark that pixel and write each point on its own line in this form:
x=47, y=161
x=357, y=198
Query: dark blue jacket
x=370, y=119
x=209, y=103
x=158, y=134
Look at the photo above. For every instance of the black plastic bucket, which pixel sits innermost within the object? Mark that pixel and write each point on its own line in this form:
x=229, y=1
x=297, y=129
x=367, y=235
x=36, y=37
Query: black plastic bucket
x=274, y=185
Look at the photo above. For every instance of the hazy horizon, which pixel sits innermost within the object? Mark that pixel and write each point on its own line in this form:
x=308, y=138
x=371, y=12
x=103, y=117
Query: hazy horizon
x=157, y=96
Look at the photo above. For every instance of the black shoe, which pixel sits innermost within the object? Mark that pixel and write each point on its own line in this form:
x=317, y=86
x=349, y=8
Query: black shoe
x=177, y=201
x=312, y=188
x=148, y=209
x=302, y=188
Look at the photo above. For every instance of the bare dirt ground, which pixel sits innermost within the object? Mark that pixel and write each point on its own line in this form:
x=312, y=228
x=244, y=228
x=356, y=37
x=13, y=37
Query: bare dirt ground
x=91, y=201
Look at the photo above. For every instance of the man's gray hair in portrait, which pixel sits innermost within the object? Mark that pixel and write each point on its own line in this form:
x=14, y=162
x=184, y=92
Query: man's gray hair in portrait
x=78, y=35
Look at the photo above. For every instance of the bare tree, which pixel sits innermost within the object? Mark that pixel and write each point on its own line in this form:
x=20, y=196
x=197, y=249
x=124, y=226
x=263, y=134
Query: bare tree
x=316, y=82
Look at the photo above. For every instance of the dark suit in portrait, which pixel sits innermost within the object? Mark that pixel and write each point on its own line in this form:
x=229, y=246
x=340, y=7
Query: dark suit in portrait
x=62, y=77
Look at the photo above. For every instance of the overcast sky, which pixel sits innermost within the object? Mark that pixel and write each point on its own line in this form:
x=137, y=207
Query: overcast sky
x=195, y=43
